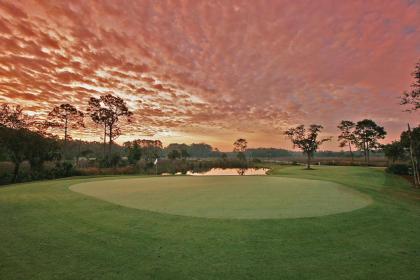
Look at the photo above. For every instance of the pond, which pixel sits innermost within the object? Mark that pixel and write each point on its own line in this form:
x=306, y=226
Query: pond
x=230, y=172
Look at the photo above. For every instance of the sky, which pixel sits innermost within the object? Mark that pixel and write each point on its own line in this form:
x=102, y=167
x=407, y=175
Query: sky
x=214, y=71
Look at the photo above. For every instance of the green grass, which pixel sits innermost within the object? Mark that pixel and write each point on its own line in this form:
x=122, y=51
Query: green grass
x=237, y=197
x=50, y=232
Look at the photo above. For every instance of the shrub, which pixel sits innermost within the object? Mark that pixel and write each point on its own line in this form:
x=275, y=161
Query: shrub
x=95, y=171
x=399, y=169
x=63, y=169
x=115, y=160
x=6, y=178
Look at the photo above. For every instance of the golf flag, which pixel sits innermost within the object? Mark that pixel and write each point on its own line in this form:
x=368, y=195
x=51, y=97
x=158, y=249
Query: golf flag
x=155, y=162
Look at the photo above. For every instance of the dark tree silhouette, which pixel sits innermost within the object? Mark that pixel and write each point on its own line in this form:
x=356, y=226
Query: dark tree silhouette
x=394, y=151
x=306, y=140
x=347, y=138
x=174, y=154
x=20, y=142
x=184, y=154
x=99, y=116
x=410, y=139
x=150, y=149
x=13, y=135
x=16, y=143
x=367, y=133
x=43, y=148
x=13, y=117
x=107, y=111
x=239, y=146
x=133, y=151
x=412, y=97
x=65, y=116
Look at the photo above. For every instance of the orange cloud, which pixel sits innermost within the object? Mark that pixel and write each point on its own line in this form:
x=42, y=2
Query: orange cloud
x=190, y=68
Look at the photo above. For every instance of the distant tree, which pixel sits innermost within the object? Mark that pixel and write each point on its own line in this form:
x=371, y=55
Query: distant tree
x=115, y=160
x=184, y=154
x=99, y=115
x=306, y=140
x=22, y=144
x=133, y=151
x=415, y=136
x=224, y=156
x=150, y=149
x=241, y=156
x=44, y=148
x=17, y=143
x=239, y=146
x=13, y=116
x=412, y=97
x=174, y=154
x=197, y=150
x=107, y=111
x=367, y=134
x=176, y=146
x=410, y=139
x=14, y=137
x=394, y=151
x=200, y=150
x=65, y=116
x=347, y=137
x=269, y=152
x=86, y=153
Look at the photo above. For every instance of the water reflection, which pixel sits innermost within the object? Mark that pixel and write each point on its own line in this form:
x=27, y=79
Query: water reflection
x=230, y=171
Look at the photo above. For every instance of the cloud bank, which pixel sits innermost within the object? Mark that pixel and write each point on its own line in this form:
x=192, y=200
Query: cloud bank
x=214, y=70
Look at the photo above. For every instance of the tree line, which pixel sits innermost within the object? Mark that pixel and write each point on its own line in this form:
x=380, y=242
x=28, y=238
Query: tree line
x=365, y=135
x=25, y=138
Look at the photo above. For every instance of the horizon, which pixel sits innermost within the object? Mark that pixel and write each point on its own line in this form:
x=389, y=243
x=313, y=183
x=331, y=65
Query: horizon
x=213, y=72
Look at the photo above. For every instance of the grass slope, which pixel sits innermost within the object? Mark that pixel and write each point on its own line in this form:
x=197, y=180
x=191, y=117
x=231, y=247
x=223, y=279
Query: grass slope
x=243, y=197
x=48, y=231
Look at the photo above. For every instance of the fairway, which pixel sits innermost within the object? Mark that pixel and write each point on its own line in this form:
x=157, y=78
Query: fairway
x=49, y=231
x=236, y=197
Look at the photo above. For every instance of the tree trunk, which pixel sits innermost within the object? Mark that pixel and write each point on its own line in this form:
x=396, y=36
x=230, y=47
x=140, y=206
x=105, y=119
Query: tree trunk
x=351, y=153
x=65, y=140
x=104, y=140
x=78, y=154
x=110, y=142
x=365, y=151
x=416, y=175
x=309, y=162
x=16, y=172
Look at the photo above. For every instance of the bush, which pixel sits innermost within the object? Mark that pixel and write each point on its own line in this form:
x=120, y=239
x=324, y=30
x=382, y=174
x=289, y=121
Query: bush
x=6, y=178
x=63, y=169
x=115, y=160
x=95, y=171
x=399, y=169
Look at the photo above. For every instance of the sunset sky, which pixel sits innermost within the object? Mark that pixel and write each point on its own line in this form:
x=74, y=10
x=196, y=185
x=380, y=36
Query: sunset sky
x=213, y=71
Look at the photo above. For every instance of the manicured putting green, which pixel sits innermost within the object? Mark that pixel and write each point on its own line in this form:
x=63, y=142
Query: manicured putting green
x=255, y=197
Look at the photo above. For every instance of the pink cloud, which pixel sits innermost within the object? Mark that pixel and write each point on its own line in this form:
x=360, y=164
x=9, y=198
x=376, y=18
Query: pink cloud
x=246, y=67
